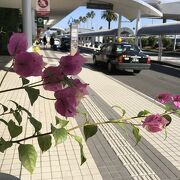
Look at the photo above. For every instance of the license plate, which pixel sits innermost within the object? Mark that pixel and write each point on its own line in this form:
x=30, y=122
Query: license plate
x=126, y=58
x=135, y=60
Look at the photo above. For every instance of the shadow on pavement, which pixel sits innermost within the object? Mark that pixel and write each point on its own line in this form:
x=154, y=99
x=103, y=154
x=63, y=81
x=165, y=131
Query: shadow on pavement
x=4, y=60
x=102, y=68
x=165, y=69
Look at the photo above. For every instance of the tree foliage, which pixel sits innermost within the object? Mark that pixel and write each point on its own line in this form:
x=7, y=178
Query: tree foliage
x=109, y=16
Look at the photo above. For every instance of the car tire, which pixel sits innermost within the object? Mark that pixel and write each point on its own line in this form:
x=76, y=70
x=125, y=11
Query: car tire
x=110, y=67
x=136, y=71
x=95, y=61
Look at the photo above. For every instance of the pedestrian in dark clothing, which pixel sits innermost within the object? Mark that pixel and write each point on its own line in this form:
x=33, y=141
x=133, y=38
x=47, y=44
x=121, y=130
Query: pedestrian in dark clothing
x=52, y=42
x=45, y=41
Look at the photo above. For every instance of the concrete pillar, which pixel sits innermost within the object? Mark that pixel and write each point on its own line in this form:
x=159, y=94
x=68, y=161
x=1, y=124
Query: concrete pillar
x=27, y=21
x=138, y=25
x=93, y=41
x=174, y=46
x=160, y=48
x=34, y=26
x=119, y=25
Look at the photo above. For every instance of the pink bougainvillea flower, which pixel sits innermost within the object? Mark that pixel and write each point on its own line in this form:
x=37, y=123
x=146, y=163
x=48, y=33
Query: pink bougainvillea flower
x=17, y=43
x=154, y=123
x=72, y=65
x=52, y=78
x=66, y=102
x=176, y=100
x=164, y=98
x=80, y=88
x=28, y=64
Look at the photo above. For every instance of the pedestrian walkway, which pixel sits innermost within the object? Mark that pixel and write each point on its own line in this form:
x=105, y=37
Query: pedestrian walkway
x=111, y=154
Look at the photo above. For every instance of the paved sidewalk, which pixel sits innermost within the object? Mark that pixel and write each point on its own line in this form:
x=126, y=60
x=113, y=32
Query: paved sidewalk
x=111, y=155
x=116, y=93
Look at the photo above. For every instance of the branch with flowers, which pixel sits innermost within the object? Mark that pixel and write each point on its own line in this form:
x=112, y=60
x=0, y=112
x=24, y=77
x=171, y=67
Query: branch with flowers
x=68, y=93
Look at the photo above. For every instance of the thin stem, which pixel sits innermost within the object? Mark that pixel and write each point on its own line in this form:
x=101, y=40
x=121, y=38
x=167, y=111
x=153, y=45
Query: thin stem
x=30, y=137
x=122, y=120
x=35, y=82
x=46, y=98
x=6, y=113
x=76, y=127
x=3, y=121
x=5, y=74
x=22, y=87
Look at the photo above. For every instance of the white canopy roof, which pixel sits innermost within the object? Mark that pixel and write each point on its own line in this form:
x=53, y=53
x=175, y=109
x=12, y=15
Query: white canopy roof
x=61, y=8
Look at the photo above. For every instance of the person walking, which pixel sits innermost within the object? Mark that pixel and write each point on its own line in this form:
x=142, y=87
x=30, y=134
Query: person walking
x=52, y=42
x=45, y=41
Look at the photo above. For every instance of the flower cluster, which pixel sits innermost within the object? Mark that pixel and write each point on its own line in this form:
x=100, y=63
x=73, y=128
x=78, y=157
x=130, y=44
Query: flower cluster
x=156, y=123
x=166, y=98
x=68, y=91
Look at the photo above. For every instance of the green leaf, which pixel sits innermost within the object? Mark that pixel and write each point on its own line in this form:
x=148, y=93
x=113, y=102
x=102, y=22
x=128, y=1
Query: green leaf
x=79, y=140
x=37, y=125
x=143, y=113
x=32, y=94
x=4, y=145
x=90, y=130
x=17, y=116
x=123, y=111
x=60, y=135
x=44, y=142
x=178, y=112
x=168, y=118
x=27, y=156
x=4, y=107
x=52, y=128
x=123, y=127
x=14, y=130
x=136, y=134
x=61, y=122
x=167, y=108
x=25, y=81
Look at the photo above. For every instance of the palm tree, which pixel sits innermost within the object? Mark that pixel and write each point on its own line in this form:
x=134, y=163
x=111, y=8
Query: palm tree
x=84, y=19
x=109, y=16
x=92, y=15
x=88, y=15
x=80, y=19
x=77, y=21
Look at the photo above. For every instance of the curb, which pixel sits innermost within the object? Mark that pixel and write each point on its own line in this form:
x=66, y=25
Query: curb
x=166, y=63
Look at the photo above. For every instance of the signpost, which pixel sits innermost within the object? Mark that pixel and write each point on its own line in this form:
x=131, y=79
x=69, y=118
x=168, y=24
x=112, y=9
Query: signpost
x=74, y=39
x=40, y=22
x=42, y=7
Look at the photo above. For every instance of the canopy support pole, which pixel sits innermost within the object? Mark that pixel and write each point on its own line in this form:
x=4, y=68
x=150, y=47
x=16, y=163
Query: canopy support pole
x=160, y=48
x=138, y=25
x=174, y=46
x=27, y=21
x=119, y=25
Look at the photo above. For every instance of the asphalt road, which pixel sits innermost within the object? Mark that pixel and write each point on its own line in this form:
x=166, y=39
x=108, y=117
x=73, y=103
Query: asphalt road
x=160, y=78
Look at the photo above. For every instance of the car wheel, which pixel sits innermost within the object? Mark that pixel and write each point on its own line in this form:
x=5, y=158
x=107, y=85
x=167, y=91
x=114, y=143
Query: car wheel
x=94, y=61
x=136, y=71
x=110, y=67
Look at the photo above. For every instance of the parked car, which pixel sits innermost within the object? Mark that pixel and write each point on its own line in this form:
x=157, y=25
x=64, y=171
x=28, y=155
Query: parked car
x=56, y=45
x=65, y=44
x=122, y=56
x=97, y=44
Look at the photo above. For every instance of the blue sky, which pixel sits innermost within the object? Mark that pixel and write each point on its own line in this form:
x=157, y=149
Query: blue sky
x=97, y=21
